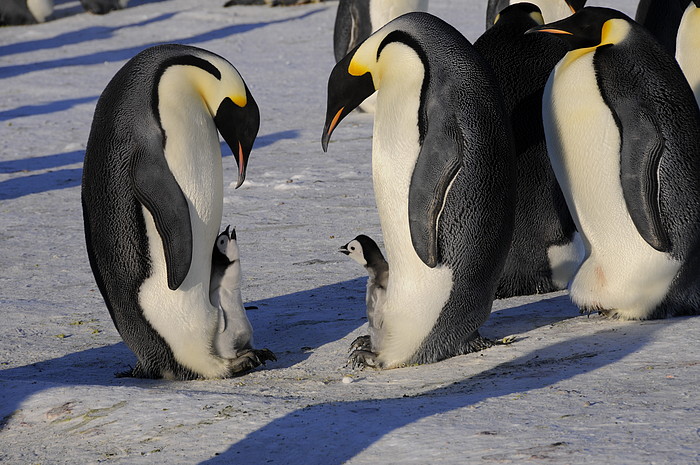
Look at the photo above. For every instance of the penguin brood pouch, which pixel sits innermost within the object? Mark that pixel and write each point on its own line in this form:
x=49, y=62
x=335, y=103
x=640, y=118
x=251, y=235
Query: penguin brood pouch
x=623, y=135
x=442, y=168
x=152, y=196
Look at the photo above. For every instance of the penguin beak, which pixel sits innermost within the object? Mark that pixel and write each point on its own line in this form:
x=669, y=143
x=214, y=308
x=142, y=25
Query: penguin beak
x=344, y=249
x=239, y=127
x=345, y=93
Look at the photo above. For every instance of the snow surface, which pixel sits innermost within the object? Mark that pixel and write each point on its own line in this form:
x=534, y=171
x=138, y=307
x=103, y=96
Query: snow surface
x=570, y=389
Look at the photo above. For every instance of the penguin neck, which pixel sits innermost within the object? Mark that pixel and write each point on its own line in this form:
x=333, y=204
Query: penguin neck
x=193, y=154
x=395, y=151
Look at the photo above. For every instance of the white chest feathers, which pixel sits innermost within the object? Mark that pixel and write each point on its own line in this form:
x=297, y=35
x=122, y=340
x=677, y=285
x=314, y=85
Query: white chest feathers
x=40, y=9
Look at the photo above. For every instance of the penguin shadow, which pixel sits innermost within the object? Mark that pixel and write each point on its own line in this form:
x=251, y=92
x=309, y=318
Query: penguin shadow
x=91, y=367
x=44, y=108
x=91, y=33
x=264, y=140
x=23, y=185
x=123, y=54
x=340, y=430
x=294, y=325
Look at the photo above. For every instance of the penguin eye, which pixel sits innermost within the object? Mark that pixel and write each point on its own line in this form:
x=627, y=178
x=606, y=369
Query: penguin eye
x=352, y=248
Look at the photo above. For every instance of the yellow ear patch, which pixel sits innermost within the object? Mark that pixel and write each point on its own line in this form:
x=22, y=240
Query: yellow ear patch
x=537, y=17
x=240, y=100
x=614, y=31
x=357, y=69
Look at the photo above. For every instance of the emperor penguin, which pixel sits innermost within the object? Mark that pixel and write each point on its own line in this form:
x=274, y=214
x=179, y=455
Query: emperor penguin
x=355, y=20
x=443, y=175
x=152, y=195
x=22, y=12
x=623, y=134
x=546, y=250
x=662, y=18
x=235, y=333
x=688, y=47
x=551, y=10
x=102, y=7
x=365, y=251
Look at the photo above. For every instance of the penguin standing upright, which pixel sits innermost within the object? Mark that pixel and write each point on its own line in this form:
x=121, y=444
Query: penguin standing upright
x=366, y=252
x=661, y=18
x=235, y=333
x=152, y=196
x=22, y=12
x=546, y=250
x=552, y=10
x=443, y=175
x=688, y=47
x=623, y=133
x=355, y=20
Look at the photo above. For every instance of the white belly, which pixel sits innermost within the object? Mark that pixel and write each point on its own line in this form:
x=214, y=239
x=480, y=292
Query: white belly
x=415, y=293
x=552, y=10
x=185, y=317
x=621, y=272
x=688, y=48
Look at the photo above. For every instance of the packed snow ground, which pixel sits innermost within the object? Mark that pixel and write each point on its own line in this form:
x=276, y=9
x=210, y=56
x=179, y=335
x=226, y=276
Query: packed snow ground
x=570, y=389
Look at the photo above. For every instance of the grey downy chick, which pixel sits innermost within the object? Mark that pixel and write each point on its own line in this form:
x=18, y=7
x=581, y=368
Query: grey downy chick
x=365, y=251
x=235, y=333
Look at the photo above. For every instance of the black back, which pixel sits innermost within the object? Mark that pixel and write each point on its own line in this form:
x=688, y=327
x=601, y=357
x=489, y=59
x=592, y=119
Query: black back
x=352, y=26
x=15, y=13
x=662, y=18
x=522, y=63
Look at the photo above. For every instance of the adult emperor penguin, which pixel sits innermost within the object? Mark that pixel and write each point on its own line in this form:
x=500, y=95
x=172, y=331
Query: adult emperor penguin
x=366, y=252
x=552, y=10
x=688, y=47
x=21, y=12
x=355, y=20
x=101, y=7
x=661, y=18
x=623, y=133
x=152, y=197
x=546, y=250
x=442, y=168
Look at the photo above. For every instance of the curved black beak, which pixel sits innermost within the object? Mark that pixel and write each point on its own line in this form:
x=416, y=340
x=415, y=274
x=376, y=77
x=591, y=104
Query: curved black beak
x=345, y=93
x=239, y=128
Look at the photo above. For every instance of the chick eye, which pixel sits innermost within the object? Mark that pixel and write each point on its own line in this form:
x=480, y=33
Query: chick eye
x=352, y=248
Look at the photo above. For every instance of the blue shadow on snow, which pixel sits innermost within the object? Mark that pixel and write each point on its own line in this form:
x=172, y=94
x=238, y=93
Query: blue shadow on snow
x=44, y=108
x=111, y=56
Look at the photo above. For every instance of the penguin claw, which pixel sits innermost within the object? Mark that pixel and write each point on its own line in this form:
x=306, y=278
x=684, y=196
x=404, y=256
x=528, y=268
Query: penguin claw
x=251, y=359
x=363, y=343
x=360, y=359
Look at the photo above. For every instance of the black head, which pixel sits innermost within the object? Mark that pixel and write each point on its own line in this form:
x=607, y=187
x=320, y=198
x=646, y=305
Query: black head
x=585, y=29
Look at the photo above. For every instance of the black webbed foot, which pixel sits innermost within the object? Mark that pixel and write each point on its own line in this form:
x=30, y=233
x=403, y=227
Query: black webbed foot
x=250, y=359
x=362, y=359
x=361, y=343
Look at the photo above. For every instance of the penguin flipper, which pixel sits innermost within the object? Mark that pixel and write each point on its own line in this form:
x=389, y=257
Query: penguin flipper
x=156, y=188
x=439, y=161
x=640, y=156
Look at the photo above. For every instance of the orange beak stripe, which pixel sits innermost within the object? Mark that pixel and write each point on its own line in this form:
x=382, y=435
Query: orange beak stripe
x=335, y=120
x=556, y=31
x=241, y=166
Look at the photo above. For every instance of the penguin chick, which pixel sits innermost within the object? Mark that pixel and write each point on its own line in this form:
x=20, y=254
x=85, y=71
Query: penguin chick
x=235, y=334
x=365, y=251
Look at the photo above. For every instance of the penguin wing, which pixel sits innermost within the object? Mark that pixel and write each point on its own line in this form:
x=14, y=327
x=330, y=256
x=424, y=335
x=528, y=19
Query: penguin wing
x=640, y=156
x=156, y=188
x=439, y=160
